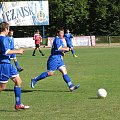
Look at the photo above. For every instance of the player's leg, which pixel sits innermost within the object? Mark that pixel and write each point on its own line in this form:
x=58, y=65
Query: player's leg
x=2, y=86
x=40, y=51
x=19, y=69
x=73, y=52
x=4, y=76
x=17, y=91
x=17, y=88
x=51, y=67
x=67, y=79
x=34, y=51
x=40, y=77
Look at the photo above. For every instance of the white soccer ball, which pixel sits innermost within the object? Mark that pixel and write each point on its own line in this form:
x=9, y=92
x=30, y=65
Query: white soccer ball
x=101, y=93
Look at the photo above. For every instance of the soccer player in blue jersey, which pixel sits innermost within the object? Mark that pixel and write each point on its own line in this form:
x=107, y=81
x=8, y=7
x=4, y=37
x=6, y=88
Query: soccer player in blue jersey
x=68, y=37
x=7, y=70
x=55, y=62
x=13, y=56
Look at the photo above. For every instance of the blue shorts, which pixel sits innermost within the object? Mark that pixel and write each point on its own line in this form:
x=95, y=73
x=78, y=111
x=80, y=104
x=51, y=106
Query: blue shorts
x=7, y=71
x=54, y=63
x=12, y=56
x=69, y=45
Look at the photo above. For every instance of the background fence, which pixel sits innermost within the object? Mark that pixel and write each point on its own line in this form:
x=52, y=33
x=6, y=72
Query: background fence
x=100, y=40
x=108, y=40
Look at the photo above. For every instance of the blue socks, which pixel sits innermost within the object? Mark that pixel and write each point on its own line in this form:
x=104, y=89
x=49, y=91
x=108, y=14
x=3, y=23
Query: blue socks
x=45, y=74
x=72, y=51
x=67, y=80
x=16, y=64
x=41, y=76
x=17, y=91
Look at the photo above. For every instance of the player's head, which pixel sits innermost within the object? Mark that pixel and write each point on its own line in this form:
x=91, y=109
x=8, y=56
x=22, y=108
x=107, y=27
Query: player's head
x=4, y=28
x=11, y=32
x=67, y=30
x=37, y=31
x=60, y=32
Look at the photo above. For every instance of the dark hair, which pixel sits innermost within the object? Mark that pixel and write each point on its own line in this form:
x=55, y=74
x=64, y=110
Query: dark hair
x=59, y=29
x=3, y=26
x=11, y=30
x=37, y=30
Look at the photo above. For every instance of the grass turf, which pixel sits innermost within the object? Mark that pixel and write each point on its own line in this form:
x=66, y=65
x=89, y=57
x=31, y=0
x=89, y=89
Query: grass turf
x=51, y=100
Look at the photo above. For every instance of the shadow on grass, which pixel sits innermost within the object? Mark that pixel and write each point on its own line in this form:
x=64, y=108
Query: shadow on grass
x=37, y=56
x=3, y=110
x=93, y=98
x=27, y=91
x=50, y=90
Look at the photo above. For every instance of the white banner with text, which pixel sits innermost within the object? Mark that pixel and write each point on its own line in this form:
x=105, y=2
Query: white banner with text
x=22, y=13
x=77, y=41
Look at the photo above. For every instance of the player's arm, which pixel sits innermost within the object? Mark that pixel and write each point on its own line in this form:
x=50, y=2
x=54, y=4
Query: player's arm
x=60, y=47
x=6, y=48
x=34, y=37
x=20, y=51
x=64, y=49
x=40, y=38
x=71, y=36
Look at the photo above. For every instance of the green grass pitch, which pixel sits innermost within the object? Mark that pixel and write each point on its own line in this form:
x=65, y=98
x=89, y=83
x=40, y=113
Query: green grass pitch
x=51, y=100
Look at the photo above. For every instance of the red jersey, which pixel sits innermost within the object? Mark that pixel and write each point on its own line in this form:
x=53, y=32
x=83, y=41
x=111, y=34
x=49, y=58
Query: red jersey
x=37, y=38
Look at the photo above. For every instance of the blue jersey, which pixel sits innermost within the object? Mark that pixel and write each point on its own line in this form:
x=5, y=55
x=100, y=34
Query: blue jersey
x=55, y=60
x=68, y=38
x=4, y=49
x=57, y=44
x=11, y=39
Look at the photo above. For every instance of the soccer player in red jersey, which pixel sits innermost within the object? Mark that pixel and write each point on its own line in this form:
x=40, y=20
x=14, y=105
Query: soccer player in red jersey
x=37, y=37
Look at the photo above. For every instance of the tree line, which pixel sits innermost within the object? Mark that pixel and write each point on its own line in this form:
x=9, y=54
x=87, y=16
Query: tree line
x=82, y=17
